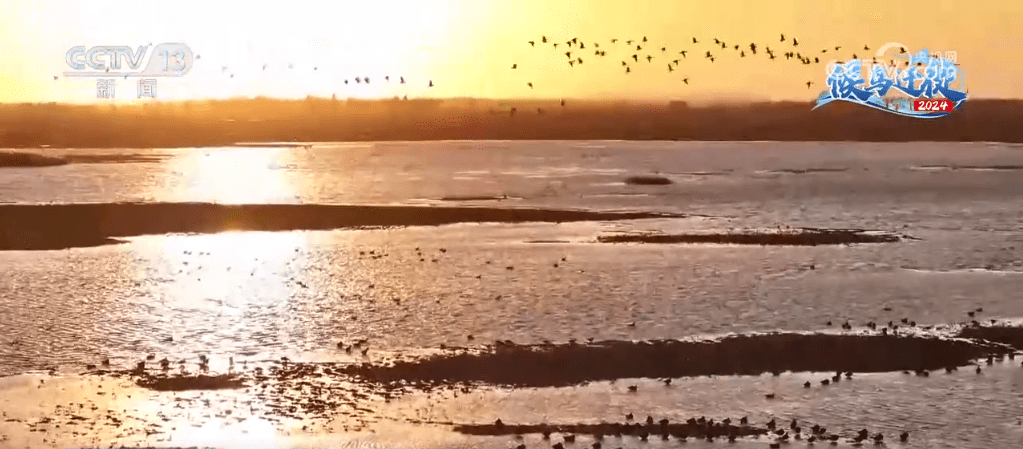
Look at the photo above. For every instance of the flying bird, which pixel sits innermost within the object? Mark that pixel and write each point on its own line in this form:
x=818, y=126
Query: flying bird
x=532, y=43
x=515, y=66
x=264, y=66
x=716, y=41
x=581, y=46
x=838, y=48
x=685, y=80
x=644, y=38
x=639, y=47
x=736, y=47
x=635, y=58
x=530, y=85
x=543, y=39
x=670, y=68
x=866, y=47
x=403, y=80
x=795, y=42
x=683, y=53
x=782, y=38
x=808, y=84
x=55, y=78
x=627, y=70
x=580, y=60
x=695, y=41
x=624, y=64
x=569, y=54
x=664, y=49
x=649, y=58
x=431, y=83
x=742, y=54
x=555, y=45
x=614, y=40
x=388, y=77
x=629, y=42
x=571, y=62
x=753, y=48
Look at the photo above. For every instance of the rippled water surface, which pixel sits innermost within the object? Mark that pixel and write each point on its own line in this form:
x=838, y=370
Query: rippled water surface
x=258, y=296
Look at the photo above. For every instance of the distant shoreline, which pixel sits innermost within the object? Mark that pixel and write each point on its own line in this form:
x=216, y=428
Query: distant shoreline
x=282, y=123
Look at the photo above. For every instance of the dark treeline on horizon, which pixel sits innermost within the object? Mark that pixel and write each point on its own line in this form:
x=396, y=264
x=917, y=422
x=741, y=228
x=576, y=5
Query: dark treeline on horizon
x=210, y=123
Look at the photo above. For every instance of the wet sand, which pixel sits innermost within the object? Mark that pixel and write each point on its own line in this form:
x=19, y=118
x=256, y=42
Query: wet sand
x=532, y=366
x=60, y=226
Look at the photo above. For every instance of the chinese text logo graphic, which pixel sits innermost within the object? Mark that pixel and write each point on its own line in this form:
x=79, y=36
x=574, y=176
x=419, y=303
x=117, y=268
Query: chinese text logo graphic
x=922, y=84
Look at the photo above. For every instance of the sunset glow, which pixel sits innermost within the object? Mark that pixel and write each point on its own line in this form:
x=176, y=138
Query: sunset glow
x=467, y=47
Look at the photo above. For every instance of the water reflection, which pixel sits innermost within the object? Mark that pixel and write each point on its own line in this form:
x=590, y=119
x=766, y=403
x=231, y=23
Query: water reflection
x=232, y=176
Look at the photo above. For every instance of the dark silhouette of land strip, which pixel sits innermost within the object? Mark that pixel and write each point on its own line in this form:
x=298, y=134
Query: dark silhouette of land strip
x=800, y=237
x=1008, y=335
x=572, y=364
x=162, y=125
x=60, y=226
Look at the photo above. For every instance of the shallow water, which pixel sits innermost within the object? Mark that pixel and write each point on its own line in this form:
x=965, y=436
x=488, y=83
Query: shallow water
x=260, y=296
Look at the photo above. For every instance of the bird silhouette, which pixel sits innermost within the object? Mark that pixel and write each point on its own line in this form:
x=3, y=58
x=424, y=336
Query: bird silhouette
x=431, y=83
x=723, y=45
x=388, y=78
x=55, y=78
x=515, y=66
x=670, y=68
x=838, y=48
x=555, y=45
x=358, y=80
x=695, y=41
x=346, y=81
x=854, y=56
x=264, y=66
x=795, y=42
x=742, y=54
x=532, y=43
x=571, y=62
x=614, y=41
x=685, y=80
x=782, y=38
x=866, y=47
x=683, y=53
x=580, y=60
x=649, y=58
x=716, y=41
x=629, y=42
x=543, y=39
x=635, y=58
x=664, y=49
x=644, y=38
x=366, y=79
x=639, y=47
x=736, y=47
x=568, y=54
x=403, y=80
x=530, y=85
x=628, y=69
x=816, y=60
x=624, y=64
x=808, y=84
x=824, y=50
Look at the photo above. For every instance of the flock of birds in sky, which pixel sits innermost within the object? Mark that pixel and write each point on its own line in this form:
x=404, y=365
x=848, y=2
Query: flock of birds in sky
x=642, y=49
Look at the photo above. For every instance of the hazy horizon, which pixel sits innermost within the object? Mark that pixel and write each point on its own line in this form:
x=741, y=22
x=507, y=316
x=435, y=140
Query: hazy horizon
x=467, y=48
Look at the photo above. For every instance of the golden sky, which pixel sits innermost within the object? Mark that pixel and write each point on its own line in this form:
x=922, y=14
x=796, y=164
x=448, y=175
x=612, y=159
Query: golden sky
x=467, y=47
